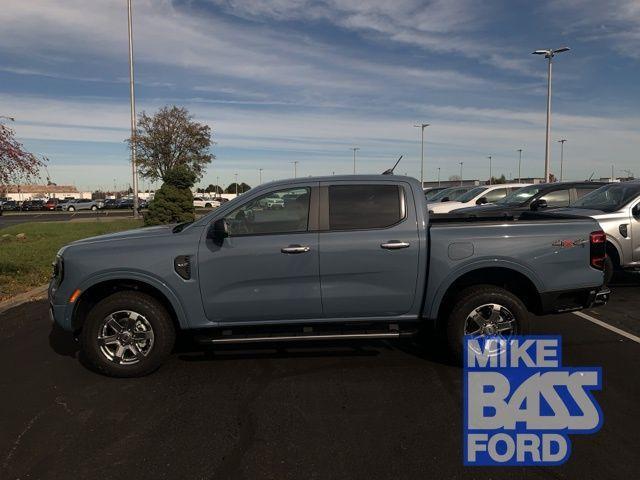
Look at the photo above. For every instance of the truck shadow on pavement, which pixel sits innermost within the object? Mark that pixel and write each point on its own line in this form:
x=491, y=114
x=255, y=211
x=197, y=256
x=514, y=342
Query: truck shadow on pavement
x=426, y=348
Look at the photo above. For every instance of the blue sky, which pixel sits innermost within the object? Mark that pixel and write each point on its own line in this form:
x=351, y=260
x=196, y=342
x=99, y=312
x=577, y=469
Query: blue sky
x=286, y=80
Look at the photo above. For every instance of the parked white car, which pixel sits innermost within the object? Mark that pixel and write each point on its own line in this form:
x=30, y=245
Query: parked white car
x=477, y=196
x=201, y=202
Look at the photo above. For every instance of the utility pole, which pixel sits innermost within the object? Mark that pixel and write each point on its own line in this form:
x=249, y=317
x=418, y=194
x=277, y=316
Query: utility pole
x=236, y=178
x=461, y=163
x=490, y=170
x=260, y=170
x=422, y=126
x=438, y=176
x=548, y=54
x=355, y=149
x=218, y=186
x=519, y=165
x=612, y=173
x=561, y=142
x=132, y=98
x=295, y=168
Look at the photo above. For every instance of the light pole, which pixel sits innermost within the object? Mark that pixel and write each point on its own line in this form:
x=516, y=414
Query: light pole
x=295, y=168
x=260, y=170
x=132, y=99
x=490, y=170
x=561, y=142
x=236, y=178
x=422, y=126
x=438, y=176
x=218, y=186
x=548, y=54
x=461, y=163
x=355, y=149
x=519, y=164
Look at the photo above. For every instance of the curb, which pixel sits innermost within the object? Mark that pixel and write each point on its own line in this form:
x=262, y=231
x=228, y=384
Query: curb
x=34, y=294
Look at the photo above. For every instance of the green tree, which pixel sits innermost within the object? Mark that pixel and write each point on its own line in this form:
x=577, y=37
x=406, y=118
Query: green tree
x=170, y=138
x=242, y=188
x=173, y=203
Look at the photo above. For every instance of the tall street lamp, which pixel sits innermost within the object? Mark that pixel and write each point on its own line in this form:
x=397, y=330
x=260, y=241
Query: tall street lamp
x=490, y=170
x=260, y=170
x=422, y=126
x=295, y=168
x=438, y=176
x=132, y=99
x=355, y=149
x=461, y=163
x=236, y=178
x=561, y=142
x=519, y=164
x=548, y=54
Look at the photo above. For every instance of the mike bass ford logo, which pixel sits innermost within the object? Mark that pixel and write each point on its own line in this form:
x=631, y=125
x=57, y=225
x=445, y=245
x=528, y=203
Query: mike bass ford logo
x=521, y=404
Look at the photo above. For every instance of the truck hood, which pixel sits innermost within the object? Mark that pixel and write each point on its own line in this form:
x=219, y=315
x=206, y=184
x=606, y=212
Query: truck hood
x=144, y=232
x=581, y=212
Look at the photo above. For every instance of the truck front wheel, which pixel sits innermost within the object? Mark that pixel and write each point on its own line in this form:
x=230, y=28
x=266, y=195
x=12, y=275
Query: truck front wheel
x=485, y=310
x=127, y=334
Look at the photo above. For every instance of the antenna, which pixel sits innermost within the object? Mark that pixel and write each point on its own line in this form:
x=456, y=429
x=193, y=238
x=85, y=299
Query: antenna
x=390, y=171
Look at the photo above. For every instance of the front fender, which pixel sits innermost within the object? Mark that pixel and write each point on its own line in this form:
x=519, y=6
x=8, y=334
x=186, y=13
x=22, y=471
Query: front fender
x=124, y=275
x=460, y=270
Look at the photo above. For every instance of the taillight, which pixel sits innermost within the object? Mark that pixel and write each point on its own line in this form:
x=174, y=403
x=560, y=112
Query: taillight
x=598, y=252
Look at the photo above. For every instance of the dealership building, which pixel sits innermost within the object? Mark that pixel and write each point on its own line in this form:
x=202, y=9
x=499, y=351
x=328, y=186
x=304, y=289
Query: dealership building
x=43, y=192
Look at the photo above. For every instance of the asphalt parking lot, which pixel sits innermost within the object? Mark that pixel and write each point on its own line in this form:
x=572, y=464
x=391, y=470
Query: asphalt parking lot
x=359, y=410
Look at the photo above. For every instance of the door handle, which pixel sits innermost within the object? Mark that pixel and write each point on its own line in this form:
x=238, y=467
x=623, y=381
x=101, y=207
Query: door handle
x=296, y=249
x=394, y=245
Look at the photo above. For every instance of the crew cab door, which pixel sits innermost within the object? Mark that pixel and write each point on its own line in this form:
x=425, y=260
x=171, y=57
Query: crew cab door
x=267, y=268
x=369, y=249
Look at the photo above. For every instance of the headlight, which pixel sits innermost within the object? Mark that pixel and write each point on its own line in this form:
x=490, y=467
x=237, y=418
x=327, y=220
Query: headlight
x=58, y=269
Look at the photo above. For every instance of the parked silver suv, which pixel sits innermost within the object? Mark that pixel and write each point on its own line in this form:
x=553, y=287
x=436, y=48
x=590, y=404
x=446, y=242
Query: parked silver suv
x=616, y=207
x=79, y=204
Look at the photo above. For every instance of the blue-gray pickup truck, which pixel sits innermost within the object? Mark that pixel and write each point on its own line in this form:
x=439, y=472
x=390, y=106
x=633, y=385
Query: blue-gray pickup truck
x=335, y=257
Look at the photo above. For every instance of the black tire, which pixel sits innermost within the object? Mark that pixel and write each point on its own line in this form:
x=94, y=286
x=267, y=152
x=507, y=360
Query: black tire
x=207, y=205
x=609, y=268
x=470, y=299
x=152, y=312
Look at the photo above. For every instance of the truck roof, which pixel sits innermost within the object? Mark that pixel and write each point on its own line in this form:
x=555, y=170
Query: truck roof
x=333, y=178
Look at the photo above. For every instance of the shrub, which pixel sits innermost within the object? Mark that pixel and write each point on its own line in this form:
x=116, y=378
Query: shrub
x=173, y=203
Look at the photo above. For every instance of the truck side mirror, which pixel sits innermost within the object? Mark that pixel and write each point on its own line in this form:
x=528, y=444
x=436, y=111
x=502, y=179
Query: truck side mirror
x=481, y=201
x=218, y=231
x=539, y=204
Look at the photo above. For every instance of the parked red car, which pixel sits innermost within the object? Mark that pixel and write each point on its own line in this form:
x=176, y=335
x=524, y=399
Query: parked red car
x=51, y=204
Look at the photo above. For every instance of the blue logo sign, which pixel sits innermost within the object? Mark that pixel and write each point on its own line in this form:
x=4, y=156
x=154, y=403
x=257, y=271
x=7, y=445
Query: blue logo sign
x=521, y=404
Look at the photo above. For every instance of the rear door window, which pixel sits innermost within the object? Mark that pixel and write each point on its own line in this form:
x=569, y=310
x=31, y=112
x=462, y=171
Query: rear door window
x=365, y=206
x=495, y=195
x=557, y=198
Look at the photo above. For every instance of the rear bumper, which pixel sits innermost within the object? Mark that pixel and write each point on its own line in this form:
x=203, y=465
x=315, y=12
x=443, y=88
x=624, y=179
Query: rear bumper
x=570, y=300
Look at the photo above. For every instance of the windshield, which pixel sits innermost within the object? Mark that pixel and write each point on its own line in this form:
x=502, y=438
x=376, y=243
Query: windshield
x=609, y=198
x=429, y=194
x=471, y=194
x=453, y=193
x=521, y=195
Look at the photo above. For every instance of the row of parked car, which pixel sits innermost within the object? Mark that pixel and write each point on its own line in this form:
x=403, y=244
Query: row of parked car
x=69, y=204
x=616, y=207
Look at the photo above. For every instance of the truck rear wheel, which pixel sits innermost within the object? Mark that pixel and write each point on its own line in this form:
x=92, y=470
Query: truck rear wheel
x=485, y=310
x=127, y=334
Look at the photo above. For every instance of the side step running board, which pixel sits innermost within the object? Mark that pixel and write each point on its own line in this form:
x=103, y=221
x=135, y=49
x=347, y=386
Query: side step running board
x=296, y=338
